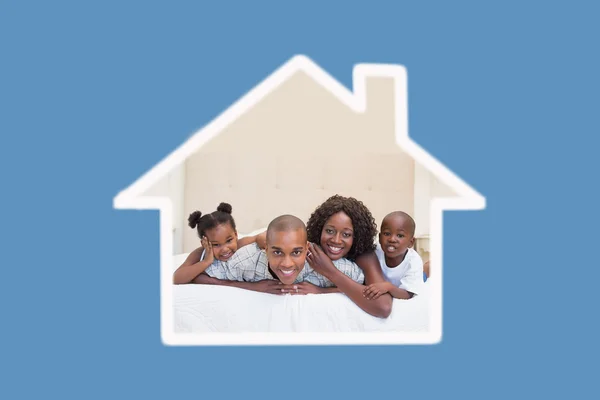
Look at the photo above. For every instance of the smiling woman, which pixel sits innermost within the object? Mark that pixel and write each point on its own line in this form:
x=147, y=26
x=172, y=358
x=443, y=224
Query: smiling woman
x=345, y=228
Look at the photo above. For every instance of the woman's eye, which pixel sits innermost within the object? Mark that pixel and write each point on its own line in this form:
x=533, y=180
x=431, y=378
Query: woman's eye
x=329, y=231
x=216, y=245
x=347, y=234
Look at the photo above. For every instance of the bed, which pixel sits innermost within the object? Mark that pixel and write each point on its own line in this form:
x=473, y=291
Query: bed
x=209, y=308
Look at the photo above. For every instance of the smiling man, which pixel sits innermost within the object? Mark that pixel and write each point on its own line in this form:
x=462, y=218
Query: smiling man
x=281, y=268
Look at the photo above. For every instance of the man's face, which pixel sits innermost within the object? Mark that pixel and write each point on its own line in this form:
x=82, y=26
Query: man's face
x=286, y=252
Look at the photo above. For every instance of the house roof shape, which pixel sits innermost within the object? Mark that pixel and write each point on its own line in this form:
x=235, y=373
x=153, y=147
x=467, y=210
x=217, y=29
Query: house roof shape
x=467, y=199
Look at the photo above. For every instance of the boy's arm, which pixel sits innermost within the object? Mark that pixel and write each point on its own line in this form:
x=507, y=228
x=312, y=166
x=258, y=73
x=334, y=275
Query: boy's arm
x=412, y=281
x=375, y=290
x=191, y=267
x=399, y=293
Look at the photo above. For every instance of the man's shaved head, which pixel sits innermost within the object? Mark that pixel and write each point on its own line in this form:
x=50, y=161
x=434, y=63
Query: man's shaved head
x=285, y=223
x=286, y=247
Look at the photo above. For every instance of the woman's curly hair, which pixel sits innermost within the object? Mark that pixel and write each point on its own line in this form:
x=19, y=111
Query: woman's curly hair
x=364, y=226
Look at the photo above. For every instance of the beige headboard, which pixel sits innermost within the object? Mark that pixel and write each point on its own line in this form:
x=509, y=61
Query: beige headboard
x=292, y=151
x=296, y=148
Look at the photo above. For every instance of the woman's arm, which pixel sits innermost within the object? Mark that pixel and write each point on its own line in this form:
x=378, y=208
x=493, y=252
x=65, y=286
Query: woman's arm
x=381, y=307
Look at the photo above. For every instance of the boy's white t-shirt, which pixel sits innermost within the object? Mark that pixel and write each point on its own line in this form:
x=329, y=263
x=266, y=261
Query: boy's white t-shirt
x=408, y=275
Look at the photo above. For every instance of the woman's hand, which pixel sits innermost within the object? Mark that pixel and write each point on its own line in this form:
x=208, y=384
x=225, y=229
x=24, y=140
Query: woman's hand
x=208, y=250
x=319, y=261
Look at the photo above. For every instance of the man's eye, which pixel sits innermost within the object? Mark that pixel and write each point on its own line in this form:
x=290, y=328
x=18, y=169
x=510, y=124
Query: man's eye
x=277, y=252
x=297, y=253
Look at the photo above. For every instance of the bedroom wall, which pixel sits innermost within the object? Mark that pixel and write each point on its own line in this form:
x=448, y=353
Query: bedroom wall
x=427, y=187
x=295, y=149
x=172, y=185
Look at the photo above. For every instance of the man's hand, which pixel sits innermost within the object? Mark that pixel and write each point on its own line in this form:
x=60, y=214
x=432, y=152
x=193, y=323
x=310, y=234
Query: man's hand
x=300, y=288
x=374, y=290
x=268, y=286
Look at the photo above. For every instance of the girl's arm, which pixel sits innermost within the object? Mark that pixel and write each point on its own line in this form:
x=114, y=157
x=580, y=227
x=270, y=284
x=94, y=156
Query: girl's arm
x=193, y=266
x=260, y=240
x=381, y=307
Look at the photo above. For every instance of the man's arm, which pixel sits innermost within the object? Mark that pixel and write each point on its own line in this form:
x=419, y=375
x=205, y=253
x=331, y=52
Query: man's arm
x=265, y=286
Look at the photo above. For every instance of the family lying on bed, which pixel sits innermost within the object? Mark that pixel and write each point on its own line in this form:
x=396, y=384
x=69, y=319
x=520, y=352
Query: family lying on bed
x=334, y=252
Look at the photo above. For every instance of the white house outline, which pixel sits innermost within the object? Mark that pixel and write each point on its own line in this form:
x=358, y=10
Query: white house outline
x=467, y=199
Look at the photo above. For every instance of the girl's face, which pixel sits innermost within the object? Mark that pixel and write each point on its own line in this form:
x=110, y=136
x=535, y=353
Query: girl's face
x=224, y=241
x=337, y=236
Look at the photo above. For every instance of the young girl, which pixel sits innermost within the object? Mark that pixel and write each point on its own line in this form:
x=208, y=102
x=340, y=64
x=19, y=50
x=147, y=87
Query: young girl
x=344, y=227
x=219, y=240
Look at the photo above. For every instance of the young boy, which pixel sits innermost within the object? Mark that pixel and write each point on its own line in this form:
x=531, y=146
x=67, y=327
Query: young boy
x=281, y=269
x=401, y=265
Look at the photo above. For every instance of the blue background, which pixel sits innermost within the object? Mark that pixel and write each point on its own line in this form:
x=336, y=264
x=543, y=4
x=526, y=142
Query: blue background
x=94, y=95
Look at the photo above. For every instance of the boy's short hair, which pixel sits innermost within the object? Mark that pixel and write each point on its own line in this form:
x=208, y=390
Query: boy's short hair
x=411, y=222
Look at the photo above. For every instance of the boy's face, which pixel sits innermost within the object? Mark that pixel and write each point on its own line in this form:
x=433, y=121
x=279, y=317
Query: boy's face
x=337, y=236
x=395, y=236
x=224, y=241
x=286, y=252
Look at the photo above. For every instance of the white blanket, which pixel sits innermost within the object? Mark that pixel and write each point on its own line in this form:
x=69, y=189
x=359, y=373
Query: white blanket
x=208, y=308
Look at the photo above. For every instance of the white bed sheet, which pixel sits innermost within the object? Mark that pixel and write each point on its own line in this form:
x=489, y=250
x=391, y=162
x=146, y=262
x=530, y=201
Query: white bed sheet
x=209, y=308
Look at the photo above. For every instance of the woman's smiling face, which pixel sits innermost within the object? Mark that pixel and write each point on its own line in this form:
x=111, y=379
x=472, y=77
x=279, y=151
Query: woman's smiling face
x=337, y=236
